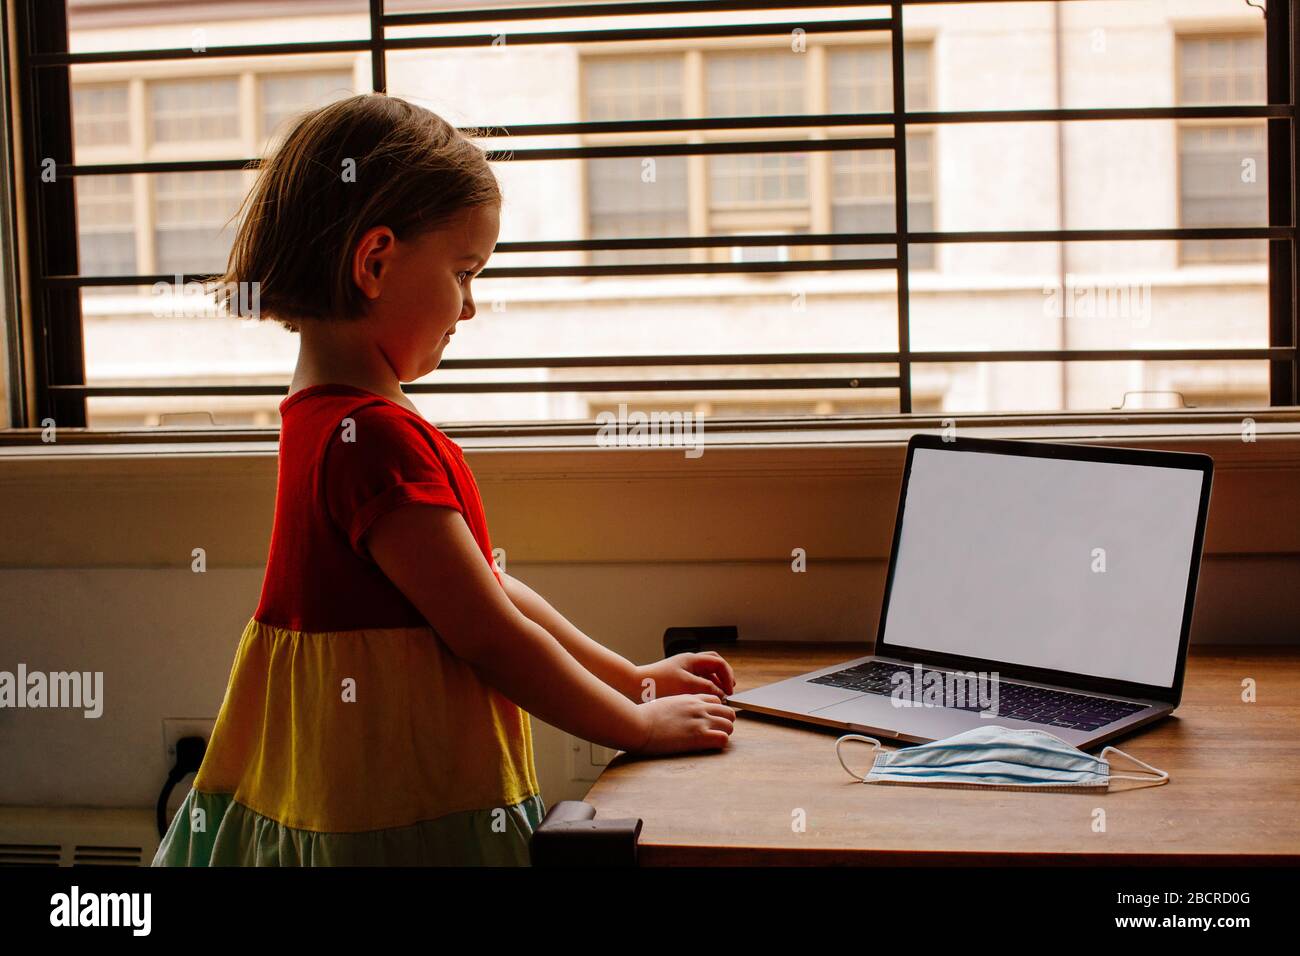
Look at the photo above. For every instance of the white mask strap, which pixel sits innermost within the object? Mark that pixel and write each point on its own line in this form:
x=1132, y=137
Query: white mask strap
x=869, y=740
x=1160, y=774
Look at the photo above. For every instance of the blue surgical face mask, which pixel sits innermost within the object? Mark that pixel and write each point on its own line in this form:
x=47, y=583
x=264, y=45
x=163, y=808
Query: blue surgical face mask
x=999, y=758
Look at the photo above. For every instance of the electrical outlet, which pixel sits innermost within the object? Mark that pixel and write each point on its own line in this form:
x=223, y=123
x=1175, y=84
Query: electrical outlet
x=587, y=760
x=174, y=728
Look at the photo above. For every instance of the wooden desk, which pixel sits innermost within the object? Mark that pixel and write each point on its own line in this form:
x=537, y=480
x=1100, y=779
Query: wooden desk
x=1233, y=795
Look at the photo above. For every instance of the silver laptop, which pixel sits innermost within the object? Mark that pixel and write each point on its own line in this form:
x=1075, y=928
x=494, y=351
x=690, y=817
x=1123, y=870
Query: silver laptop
x=1030, y=585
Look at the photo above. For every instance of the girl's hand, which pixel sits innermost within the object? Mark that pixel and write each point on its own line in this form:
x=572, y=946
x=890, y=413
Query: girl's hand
x=685, y=722
x=704, y=673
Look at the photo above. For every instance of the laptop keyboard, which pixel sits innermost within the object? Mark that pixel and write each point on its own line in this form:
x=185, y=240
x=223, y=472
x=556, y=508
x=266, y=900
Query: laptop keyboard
x=1054, y=708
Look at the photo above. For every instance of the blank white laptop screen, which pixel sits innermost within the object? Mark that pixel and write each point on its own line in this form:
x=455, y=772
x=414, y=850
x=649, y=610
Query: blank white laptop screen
x=1075, y=566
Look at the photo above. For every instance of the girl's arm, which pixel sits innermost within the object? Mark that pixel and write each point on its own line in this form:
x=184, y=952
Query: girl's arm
x=614, y=669
x=431, y=557
x=690, y=673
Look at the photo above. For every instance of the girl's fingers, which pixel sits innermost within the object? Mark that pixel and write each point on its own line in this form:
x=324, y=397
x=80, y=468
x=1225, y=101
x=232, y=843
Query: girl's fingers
x=705, y=686
x=718, y=667
x=721, y=723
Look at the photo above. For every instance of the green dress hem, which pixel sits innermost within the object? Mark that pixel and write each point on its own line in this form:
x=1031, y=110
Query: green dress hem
x=215, y=829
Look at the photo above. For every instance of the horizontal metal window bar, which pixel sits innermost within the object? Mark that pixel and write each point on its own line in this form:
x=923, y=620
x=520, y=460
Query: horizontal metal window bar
x=613, y=385
x=178, y=166
x=1264, y=353
x=519, y=272
x=862, y=238
x=799, y=239
x=524, y=155
x=564, y=11
x=839, y=144
x=153, y=434
x=833, y=144
x=1071, y=114
x=618, y=361
x=787, y=121
x=691, y=268
x=681, y=124
x=864, y=358
x=485, y=40
x=1106, y=355
x=930, y=117
x=39, y=60
x=1105, y=235
x=708, y=31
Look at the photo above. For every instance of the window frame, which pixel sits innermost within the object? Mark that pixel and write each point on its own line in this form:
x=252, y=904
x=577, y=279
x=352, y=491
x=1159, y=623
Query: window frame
x=42, y=105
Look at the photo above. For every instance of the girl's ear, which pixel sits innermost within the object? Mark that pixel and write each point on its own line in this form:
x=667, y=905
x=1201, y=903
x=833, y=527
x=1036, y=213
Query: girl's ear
x=371, y=259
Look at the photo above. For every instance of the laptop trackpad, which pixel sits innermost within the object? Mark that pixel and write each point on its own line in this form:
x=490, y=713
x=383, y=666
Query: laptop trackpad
x=796, y=694
x=875, y=710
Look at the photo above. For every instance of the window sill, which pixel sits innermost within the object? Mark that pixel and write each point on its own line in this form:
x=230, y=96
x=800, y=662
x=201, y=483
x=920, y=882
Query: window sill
x=729, y=446
x=554, y=496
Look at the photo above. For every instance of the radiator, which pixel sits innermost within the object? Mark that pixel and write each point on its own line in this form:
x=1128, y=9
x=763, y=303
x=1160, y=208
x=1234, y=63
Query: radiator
x=75, y=836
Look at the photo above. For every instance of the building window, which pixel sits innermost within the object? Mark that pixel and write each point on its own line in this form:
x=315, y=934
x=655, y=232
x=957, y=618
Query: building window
x=632, y=197
x=755, y=84
x=862, y=198
x=762, y=183
x=182, y=111
x=190, y=210
x=285, y=95
x=757, y=193
x=101, y=115
x=627, y=198
x=645, y=87
x=106, y=220
x=860, y=79
x=187, y=226
x=1222, y=164
x=862, y=182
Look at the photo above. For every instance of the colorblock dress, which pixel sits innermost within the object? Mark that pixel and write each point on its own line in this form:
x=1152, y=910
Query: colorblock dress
x=350, y=734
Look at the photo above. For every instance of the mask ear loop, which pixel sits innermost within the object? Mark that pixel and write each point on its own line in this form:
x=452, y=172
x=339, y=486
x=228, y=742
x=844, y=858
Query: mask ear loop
x=1163, y=777
x=869, y=740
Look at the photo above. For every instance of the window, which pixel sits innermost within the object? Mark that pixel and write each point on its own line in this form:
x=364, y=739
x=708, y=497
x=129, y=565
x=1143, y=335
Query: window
x=862, y=187
x=106, y=217
x=105, y=204
x=285, y=95
x=626, y=198
x=862, y=192
x=101, y=114
x=759, y=193
x=189, y=212
x=201, y=108
x=761, y=188
x=642, y=87
x=1222, y=166
x=664, y=123
x=165, y=223
x=182, y=215
x=754, y=84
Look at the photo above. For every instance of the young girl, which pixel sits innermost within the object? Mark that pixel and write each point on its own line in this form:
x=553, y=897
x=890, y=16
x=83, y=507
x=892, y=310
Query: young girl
x=373, y=712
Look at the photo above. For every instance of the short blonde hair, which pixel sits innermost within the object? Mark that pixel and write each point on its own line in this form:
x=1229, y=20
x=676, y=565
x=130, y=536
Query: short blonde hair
x=365, y=161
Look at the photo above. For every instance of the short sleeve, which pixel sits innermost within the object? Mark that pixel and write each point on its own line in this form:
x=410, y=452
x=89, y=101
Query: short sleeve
x=389, y=462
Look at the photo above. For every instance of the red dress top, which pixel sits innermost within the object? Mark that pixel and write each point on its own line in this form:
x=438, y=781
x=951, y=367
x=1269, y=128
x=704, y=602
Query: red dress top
x=348, y=456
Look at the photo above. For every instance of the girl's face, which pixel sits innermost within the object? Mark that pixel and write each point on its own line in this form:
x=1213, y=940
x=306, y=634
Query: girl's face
x=419, y=290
